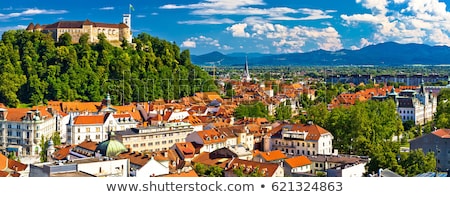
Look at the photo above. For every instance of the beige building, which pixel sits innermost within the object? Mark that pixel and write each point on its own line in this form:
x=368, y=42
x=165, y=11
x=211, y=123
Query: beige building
x=154, y=138
x=114, y=33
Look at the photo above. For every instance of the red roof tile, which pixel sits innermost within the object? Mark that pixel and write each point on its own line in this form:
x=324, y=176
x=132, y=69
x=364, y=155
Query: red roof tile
x=4, y=174
x=97, y=119
x=3, y=162
x=270, y=156
x=298, y=161
x=442, y=133
x=16, y=166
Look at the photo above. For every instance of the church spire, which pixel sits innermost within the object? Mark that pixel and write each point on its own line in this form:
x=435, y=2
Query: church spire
x=246, y=76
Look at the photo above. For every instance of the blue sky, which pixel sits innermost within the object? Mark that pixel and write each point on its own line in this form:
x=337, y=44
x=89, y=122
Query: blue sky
x=264, y=26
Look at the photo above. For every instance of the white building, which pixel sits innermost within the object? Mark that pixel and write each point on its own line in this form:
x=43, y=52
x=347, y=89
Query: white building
x=21, y=130
x=347, y=170
x=298, y=164
x=154, y=138
x=96, y=127
x=210, y=140
x=299, y=139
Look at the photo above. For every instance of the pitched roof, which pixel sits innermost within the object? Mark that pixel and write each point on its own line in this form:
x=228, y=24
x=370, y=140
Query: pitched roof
x=205, y=158
x=16, y=166
x=314, y=132
x=268, y=169
x=442, y=133
x=88, y=145
x=16, y=114
x=62, y=153
x=3, y=162
x=270, y=156
x=95, y=119
x=211, y=136
x=298, y=161
x=186, y=148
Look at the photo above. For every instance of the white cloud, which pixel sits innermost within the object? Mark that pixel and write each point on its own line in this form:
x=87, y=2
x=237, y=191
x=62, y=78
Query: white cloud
x=2, y=29
x=210, y=21
x=194, y=42
x=154, y=13
x=363, y=42
x=297, y=39
x=106, y=8
x=226, y=47
x=30, y=12
x=238, y=30
x=189, y=44
x=141, y=16
x=418, y=21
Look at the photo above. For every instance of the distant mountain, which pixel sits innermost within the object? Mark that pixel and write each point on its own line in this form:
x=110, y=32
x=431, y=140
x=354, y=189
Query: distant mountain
x=389, y=53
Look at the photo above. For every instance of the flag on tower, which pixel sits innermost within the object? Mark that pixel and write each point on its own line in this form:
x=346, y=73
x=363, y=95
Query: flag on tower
x=131, y=7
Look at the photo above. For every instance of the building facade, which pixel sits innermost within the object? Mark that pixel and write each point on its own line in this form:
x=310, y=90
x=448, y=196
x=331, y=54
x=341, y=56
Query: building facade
x=299, y=139
x=437, y=142
x=21, y=130
x=154, y=138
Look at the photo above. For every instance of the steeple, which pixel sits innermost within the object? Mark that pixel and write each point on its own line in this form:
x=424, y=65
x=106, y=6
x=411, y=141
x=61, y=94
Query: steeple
x=246, y=75
x=422, y=87
x=108, y=100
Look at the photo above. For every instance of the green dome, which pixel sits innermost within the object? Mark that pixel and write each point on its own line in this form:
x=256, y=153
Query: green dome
x=111, y=147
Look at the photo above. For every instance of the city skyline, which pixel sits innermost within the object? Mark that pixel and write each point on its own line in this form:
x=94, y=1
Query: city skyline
x=263, y=26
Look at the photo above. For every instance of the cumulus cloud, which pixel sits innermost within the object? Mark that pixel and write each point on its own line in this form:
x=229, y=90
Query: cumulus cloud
x=201, y=41
x=30, y=12
x=287, y=39
x=418, y=21
x=238, y=30
x=363, y=42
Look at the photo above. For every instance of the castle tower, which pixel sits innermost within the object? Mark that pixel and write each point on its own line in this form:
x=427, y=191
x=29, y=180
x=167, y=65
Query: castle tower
x=127, y=21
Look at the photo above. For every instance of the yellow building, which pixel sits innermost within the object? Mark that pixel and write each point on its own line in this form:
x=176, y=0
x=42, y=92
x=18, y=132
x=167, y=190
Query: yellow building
x=114, y=33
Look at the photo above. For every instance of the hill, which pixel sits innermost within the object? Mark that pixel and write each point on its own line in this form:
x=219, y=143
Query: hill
x=34, y=69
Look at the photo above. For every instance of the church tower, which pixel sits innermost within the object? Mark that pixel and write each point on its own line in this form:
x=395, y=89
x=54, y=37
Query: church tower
x=127, y=21
x=246, y=75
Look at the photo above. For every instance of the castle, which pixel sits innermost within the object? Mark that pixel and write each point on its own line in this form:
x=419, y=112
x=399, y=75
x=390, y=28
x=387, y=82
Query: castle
x=114, y=33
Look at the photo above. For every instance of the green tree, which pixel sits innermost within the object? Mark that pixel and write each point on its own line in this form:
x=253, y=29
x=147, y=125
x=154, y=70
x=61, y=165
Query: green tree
x=65, y=39
x=416, y=162
x=283, y=112
x=200, y=169
x=43, y=145
x=215, y=171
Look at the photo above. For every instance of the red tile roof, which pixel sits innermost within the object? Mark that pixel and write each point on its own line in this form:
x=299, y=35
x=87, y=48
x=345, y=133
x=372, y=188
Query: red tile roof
x=298, y=161
x=3, y=162
x=442, y=133
x=62, y=153
x=211, y=136
x=268, y=169
x=270, y=156
x=16, y=166
x=16, y=114
x=186, y=148
x=96, y=119
x=4, y=174
x=88, y=145
x=314, y=131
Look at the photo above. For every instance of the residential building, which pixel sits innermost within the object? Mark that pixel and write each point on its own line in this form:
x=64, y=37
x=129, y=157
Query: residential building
x=297, y=165
x=321, y=163
x=299, y=139
x=210, y=139
x=347, y=170
x=437, y=142
x=275, y=156
x=96, y=127
x=265, y=169
x=21, y=129
x=154, y=138
x=152, y=164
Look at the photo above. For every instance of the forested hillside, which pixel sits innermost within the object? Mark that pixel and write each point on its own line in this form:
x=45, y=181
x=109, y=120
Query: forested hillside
x=35, y=69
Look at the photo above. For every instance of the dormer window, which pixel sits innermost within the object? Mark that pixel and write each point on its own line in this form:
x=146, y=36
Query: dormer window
x=215, y=137
x=208, y=138
x=222, y=136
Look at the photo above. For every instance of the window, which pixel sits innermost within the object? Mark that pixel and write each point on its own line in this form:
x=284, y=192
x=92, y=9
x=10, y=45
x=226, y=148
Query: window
x=135, y=145
x=97, y=129
x=142, y=144
x=18, y=126
x=164, y=142
x=314, y=145
x=97, y=137
x=303, y=144
x=150, y=144
x=79, y=130
x=88, y=130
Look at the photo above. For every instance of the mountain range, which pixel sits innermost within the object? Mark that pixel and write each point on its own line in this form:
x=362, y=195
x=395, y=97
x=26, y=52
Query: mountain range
x=389, y=54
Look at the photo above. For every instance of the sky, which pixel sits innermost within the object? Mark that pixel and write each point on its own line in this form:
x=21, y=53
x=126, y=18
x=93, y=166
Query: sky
x=252, y=26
